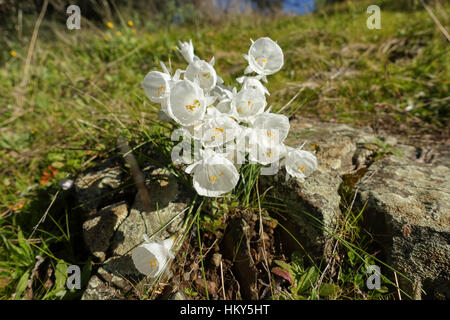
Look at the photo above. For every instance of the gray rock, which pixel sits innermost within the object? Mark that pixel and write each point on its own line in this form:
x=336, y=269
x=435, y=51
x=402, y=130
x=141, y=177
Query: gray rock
x=408, y=209
x=99, y=290
x=312, y=207
x=99, y=229
x=93, y=186
x=166, y=218
x=167, y=202
x=177, y=295
x=335, y=145
x=119, y=271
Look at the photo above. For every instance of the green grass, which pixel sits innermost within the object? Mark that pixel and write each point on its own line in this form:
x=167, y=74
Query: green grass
x=84, y=90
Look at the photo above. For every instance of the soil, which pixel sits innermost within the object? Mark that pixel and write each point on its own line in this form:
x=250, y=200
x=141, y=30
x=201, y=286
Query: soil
x=237, y=261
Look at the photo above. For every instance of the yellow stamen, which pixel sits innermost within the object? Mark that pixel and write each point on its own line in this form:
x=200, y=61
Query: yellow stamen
x=213, y=179
x=153, y=263
x=269, y=134
x=206, y=75
x=194, y=105
x=162, y=90
x=303, y=169
x=269, y=154
x=219, y=129
x=261, y=59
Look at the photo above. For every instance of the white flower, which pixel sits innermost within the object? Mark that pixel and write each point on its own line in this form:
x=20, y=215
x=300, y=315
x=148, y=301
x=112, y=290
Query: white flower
x=263, y=149
x=225, y=96
x=265, y=57
x=187, y=103
x=156, y=86
x=248, y=103
x=253, y=83
x=276, y=126
x=202, y=72
x=187, y=51
x=217, y=129
x=151, y=257
x=300, y=163
x=214, y=175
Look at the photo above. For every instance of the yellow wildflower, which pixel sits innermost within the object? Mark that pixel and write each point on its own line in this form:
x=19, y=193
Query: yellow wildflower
x=110, y=25
x=130, y=23
x=13, y=53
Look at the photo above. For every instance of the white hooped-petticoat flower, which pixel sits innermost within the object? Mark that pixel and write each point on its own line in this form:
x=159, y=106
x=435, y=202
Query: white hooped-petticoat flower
x=248, y=103
x=253, y=83
x=187, y=103
x=151, y=257
x=187, y=51
x=300, y=163
x=203, y=73
x=276, y=126
x=265, y=57
x=217, y=129
x=156, y=86
x=214, y=175
x=262, y=148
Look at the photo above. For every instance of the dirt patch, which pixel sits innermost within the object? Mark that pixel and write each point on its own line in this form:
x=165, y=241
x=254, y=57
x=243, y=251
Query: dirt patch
x=237, y=261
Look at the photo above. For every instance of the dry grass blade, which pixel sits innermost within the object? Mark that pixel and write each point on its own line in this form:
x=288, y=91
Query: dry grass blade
x=436, y=21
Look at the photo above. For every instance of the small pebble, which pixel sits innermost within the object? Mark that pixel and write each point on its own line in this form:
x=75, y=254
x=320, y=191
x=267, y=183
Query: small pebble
x=216, y=258
x=65, y=184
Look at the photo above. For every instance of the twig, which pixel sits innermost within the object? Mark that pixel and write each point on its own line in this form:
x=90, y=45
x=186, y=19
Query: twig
x=45, y=215
x=138, y=176
x=418, y=290
x=436, y=21
x=398, y=288
x=223, y=282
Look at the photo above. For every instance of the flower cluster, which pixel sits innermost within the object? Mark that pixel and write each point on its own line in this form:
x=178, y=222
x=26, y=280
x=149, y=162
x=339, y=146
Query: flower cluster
x=227, y=126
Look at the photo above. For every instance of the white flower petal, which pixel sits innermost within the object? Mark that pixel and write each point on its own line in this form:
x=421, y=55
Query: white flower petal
x=218, y=130
x=156, y=86
x=186, y=103
x=203, y=72
x=248, y=103
x=151, y=257
x=187, y=51
x=265, y=56
x=300, y=163
x=276, y=125
x=215, y=175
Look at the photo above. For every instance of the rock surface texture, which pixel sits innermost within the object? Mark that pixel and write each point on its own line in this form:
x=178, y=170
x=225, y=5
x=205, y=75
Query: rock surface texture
x=112, y=232
x=405, y=189
x=408, y=208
